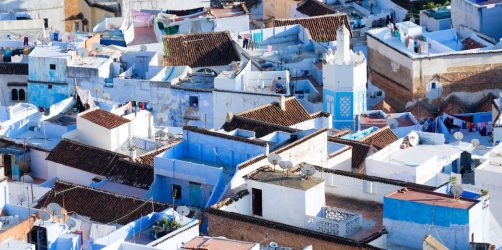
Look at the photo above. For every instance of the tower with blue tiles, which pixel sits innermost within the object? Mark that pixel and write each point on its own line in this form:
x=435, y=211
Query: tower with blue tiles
x=344, y=82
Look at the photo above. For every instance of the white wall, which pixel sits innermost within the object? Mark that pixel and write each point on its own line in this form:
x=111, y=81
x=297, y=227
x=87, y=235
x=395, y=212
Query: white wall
x=288, y=205
x=233, y=24
x=356, y=188
x=176, y=241
x=93, y=134
x=69, y=174
x=119, y=136
x=51, y=9
x=38, y=164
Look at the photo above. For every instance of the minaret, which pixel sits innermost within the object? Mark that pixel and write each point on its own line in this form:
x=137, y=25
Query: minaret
x=344, y=82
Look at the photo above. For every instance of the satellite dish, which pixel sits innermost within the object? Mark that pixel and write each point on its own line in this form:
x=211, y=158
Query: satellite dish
x=27, y=179
x=475, y=143
x=413, y=139
x=393, y=123
x=44, y=215
x=71, y=223
x=183, y=210
x=142, y=48
x=273, y=244
x=456, y=190
x=21, y=198
x=274, y=159
x=458, y=136
x=82, y=52
x=308, y=170
x=96, y=47
x=286, y=165
x=54, y=208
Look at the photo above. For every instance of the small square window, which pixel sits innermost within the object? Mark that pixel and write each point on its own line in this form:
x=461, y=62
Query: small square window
x=176, y=191
x=49, y=86
x=194, y=102
x=46, y=23
x=53, y=67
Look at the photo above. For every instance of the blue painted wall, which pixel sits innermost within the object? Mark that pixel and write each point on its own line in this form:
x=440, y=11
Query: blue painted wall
x=40, y=95
x=421, y=213
x=344, y=107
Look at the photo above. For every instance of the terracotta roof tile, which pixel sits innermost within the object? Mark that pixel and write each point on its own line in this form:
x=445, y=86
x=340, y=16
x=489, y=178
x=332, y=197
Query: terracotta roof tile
x=453, y=105
x=384, y=106
x=105, y=119
x=13, y=69
x=101, y=206
x=380, y=138
x=148, y=158
x=321, y=28
x=199, y=50
x=260, y=128
x=294, y=113
x=360, y=151
x=485, y=104
x=470, y=43
x=116, y=167
x=314, y=8
x=422, y=110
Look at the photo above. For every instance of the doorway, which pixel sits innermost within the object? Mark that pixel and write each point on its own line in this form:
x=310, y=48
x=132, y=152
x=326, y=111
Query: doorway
x=257, y=202
x=7, y=165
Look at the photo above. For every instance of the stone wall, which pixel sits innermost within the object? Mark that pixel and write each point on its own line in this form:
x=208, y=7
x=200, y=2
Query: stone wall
x=233, y=228
x=19, y=231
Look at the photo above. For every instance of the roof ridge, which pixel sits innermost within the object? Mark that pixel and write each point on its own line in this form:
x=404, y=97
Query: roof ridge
x=265, y=105
x=311, y=17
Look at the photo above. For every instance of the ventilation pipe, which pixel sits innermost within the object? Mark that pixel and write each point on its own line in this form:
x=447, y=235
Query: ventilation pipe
x=282, y=103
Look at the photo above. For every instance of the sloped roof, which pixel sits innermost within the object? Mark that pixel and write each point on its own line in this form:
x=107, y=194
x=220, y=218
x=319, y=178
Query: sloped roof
x=422, y=110
x=485, y=104
x=384, y=106
x=453, y=105
x=294, y=113
x=380, y=138
x=314, y=8
x=105, y=119
x=102, y=162
x=13, y=69
x=101, y=206
x=321, y=28
x=199, y=50
x=360, y=151
x=260, y=128
x=148, y=159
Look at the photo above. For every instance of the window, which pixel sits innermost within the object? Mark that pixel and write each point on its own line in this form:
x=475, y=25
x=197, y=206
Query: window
x=49, y=86
x=77, y=26
x=433, y=85
x=14, y=95
x=176, y=191
x=194, y=102
x=46, y=23
x=329, y=104
x=22, y=95
x=52, y=67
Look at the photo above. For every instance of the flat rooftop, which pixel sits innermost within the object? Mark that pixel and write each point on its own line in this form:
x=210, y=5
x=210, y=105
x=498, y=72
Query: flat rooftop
x=417, y=155
x=431, y=198
x=212, y=243
x=372, y=213
x=380, y=119
x=88, y=62
x=280, y=178
x=63, y=120
x=49, y=51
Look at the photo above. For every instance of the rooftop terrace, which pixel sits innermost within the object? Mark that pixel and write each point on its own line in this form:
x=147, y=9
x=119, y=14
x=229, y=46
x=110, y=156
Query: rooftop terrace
x=280, y=178
x=431, y=198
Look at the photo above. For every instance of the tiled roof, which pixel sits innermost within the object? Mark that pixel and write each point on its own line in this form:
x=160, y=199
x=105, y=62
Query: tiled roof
x=260, y=128
x=484, y=105
x=102, y=162
x=294, y=113
x=148, y=159
x=100, y=206
x=199, y=50
x=321, y=28
x=453, y=105
x=380, y=138
x=13, y=69
x=360, y=151
x=104, y=119
x=384, y=106
x=314, y=8
x=470, y=43
x=422, y=110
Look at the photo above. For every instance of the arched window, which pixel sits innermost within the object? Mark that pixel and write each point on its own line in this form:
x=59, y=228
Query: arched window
x=22, y=95
x=14, y=95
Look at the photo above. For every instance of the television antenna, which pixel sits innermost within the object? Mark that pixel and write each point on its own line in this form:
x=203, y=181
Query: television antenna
x=183, y=211
x=457, y=191
x=274, y=159
x=308, y=170
x=71, y=223
x=458, y=136
x=393, y=123
x=413, y=139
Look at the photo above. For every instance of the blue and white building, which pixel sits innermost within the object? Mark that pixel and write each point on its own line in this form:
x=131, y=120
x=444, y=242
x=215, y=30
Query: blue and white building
x=344, y=83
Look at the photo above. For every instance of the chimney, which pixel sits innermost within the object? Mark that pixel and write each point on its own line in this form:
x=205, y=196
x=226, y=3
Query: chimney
x=132, y=154
x=282, y=103
x=230, y=115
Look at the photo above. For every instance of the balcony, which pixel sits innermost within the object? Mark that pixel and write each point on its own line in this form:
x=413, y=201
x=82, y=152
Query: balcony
x=335, y=221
